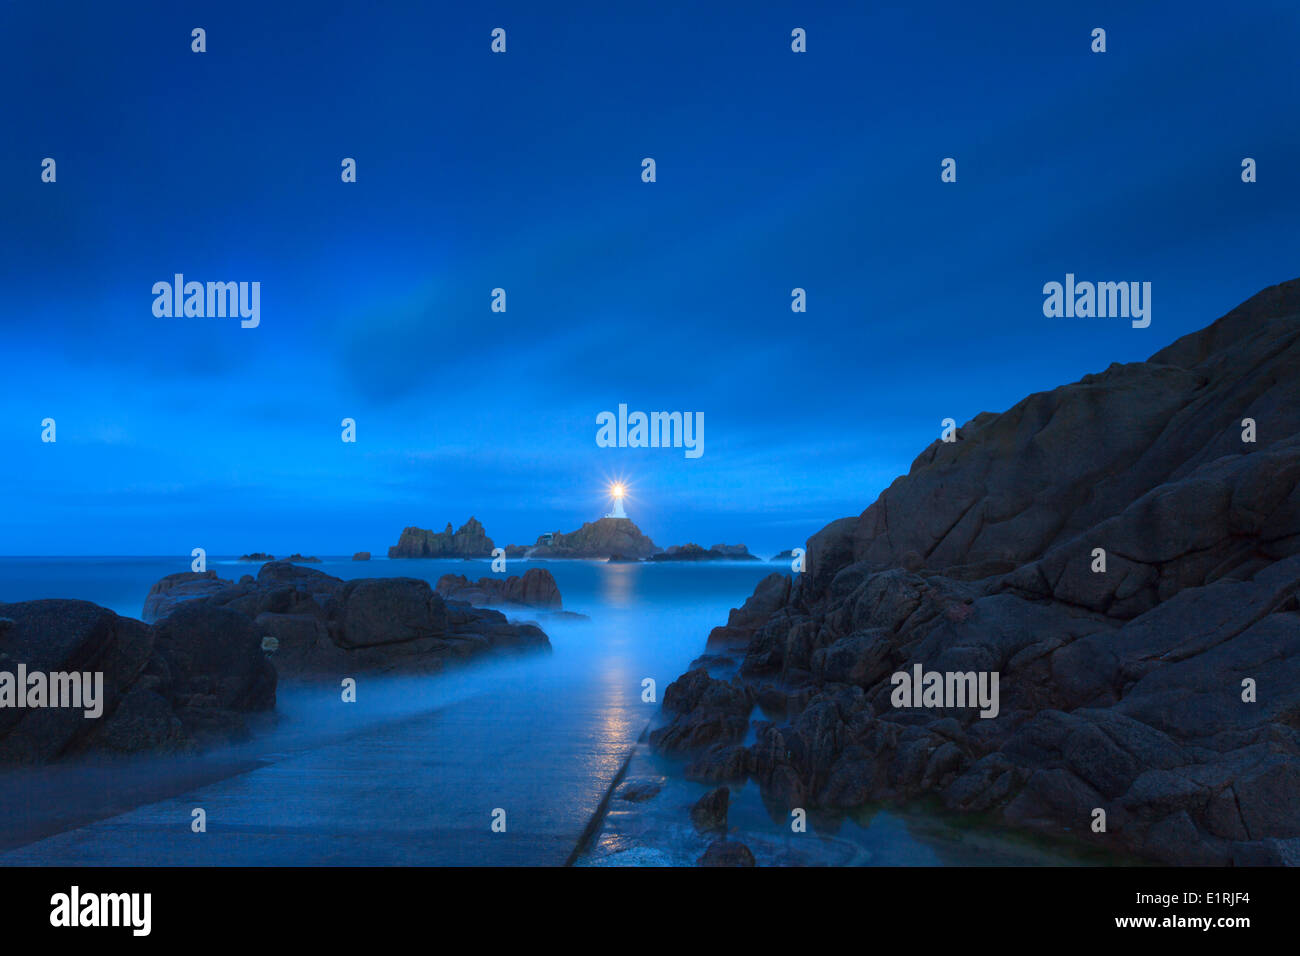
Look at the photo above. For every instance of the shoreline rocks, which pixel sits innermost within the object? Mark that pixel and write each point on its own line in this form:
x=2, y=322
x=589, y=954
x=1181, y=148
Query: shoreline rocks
x=536, y=588
x=1117, y=555
x=322, y=625
x=192, y=681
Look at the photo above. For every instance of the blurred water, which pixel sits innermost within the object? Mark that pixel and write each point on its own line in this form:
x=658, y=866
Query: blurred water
x=412, y=771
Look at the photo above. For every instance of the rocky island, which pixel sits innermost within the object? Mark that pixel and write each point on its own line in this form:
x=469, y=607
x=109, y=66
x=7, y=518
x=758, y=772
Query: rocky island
x=595, y=539
x=469, y=541
x=693, y=552
x=1122, y=552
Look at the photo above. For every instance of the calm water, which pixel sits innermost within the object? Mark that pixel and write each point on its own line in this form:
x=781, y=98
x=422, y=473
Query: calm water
x=416, y=769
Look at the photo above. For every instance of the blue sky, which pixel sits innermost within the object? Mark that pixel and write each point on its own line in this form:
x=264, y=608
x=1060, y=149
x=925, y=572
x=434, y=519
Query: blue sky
x=522, y=171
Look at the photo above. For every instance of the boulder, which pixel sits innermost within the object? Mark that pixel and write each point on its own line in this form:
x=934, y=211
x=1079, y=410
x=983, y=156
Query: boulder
x=726, y=853
x=536, y=588
x=710, y=811
x=312, y=624
x=169, y=592
x=190, y=681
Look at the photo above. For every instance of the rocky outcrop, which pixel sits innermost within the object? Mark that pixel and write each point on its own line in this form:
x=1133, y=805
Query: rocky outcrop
x=536, y=588
x=595, y=539
x=361, y=556
x=770, y=594
x=257, y=556
x=693, y=552
x=297, y=558
x=188, y=682
x=321, y=625
x=174, y=589
x=469, y=541
x=1124, y=562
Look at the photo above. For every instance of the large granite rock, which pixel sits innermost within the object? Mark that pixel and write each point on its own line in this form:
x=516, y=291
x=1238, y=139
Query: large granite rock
x=321, y=625
x=595, y=539
x=1164, y=690
x=469, y=541
x=169, y=592
x=536, y=588
x=190, y=681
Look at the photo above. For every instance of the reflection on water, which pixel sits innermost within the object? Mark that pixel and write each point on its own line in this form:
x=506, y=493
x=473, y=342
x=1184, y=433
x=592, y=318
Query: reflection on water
x=617, y=584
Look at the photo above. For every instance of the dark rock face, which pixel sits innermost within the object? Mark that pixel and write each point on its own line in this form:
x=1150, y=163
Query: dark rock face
x=595, y=539
x=469, y=541
x=257, y=556
x=693, y=552
x=361, y=556
x=726, y=853
x=1126, y=690
x=321, y=625
x=770, y=594
x=537, y=588
x=184, y=684
x=168, y=592
x=301, y=558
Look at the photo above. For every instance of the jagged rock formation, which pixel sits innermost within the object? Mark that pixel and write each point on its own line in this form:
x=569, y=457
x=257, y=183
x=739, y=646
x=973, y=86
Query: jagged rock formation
x=1164, y=690
x=595, y=539
x=693, y=552
x=321, y=625
x=188, y=682
x=361, y=556
x=537, y=588
x=257, y=556
x=469, y=541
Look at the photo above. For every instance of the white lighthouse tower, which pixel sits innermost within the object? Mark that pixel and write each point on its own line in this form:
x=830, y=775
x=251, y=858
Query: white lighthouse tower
x=617, y=492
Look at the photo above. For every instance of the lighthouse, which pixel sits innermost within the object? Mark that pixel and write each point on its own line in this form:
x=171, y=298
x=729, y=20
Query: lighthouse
x=617, y=492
